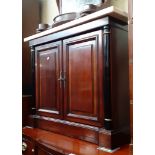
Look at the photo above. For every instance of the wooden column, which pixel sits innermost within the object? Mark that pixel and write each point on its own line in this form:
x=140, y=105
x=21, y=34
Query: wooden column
x=107, y=101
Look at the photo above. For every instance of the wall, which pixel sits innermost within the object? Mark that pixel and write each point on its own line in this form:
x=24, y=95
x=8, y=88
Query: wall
x=121, y=4
x=49, y=10
x=30, y=20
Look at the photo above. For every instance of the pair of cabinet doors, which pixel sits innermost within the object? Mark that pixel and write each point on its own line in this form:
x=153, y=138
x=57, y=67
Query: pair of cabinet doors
x=69, y=79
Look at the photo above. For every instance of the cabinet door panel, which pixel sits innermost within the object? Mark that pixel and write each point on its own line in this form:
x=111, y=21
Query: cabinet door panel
x=82, y=93
x=48, y=68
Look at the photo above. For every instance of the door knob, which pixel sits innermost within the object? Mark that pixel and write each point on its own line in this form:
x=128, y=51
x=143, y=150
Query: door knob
x=61, y=78
x=24, y=146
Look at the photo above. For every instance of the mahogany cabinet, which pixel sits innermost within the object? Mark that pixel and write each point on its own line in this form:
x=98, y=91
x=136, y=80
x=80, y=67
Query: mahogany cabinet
x=81, y=80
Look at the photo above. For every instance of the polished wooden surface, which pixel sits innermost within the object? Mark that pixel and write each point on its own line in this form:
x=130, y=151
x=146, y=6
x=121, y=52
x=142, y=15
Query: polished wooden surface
x=71, y=129
x=66, y=145
x=131, y=121
x=41, y=151
x=81, y=66
x=48, y=92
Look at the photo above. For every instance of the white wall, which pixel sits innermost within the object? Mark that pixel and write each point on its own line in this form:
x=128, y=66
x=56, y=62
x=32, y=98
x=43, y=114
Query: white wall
x=49, y=10
x=121, y=4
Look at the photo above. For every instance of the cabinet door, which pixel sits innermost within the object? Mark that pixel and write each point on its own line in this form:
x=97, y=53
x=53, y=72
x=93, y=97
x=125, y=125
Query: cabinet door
x=83, y=72
x=48, y=87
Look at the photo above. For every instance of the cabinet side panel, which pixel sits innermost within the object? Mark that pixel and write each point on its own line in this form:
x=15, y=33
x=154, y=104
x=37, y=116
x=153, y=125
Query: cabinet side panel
x=119, y=133
x=119, y=78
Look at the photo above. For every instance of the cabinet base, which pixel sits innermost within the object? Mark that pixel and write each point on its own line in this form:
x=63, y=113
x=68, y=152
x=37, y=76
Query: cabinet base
x=100, y=136
x=44, y=142
x=114, y=139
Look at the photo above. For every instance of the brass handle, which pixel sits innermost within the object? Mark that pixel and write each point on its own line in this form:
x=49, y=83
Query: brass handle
x=24, y=146
x=64, y=79
x=61, y=78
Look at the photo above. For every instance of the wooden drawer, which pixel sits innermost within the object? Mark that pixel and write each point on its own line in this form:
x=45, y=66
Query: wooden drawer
x=28, y=147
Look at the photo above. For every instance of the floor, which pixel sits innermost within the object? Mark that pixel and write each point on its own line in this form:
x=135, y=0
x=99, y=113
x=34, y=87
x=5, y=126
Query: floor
x=70, y=145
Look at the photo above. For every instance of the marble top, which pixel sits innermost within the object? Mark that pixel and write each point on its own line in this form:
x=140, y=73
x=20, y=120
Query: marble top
x=110, y=11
